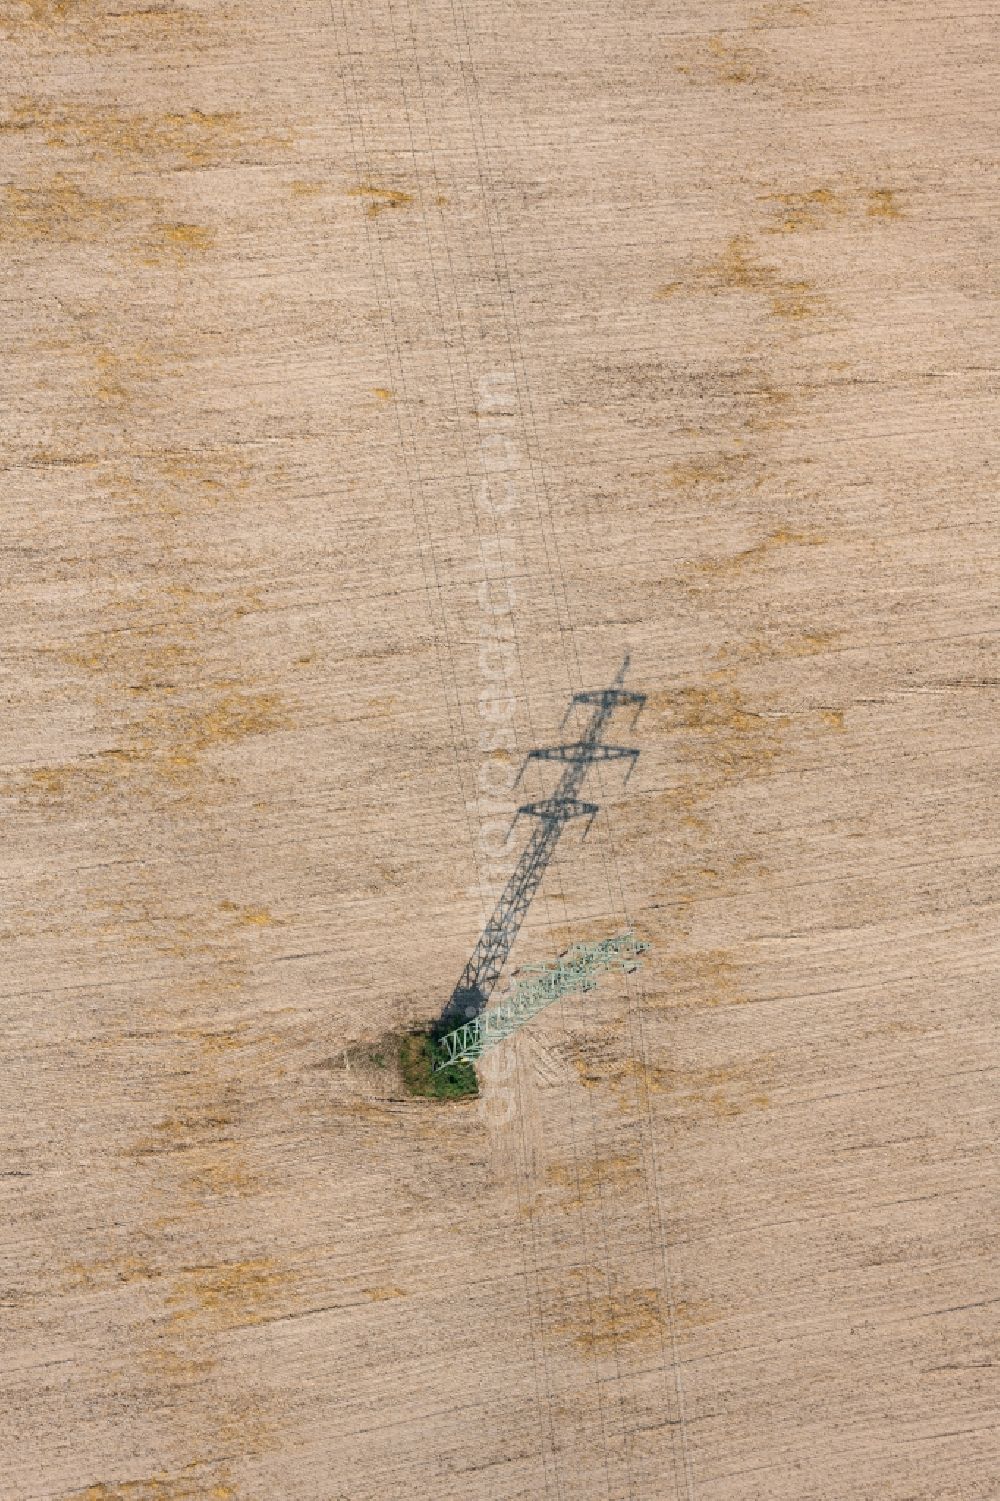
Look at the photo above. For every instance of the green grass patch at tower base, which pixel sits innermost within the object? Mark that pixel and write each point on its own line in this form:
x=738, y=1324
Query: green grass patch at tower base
x=418, y=1056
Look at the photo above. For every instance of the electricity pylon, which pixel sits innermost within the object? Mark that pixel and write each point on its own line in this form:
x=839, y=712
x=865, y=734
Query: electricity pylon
x=542, y=984
x=487, y=960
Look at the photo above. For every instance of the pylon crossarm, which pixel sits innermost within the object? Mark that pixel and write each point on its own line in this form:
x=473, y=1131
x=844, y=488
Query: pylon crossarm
x=581, y=751
x=609, y=697
x=560, y=809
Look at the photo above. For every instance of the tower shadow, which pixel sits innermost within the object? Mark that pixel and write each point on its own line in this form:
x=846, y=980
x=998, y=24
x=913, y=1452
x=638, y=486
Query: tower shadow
x=479, y=977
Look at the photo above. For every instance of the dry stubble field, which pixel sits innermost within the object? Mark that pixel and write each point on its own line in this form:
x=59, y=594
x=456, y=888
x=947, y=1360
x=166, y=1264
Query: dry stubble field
x=725, y=1231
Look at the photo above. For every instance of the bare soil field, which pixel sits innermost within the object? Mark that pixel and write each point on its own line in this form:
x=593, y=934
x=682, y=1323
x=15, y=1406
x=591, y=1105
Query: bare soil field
x=381, y=373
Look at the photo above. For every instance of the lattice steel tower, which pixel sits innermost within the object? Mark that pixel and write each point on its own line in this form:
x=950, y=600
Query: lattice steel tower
x=538, y=985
